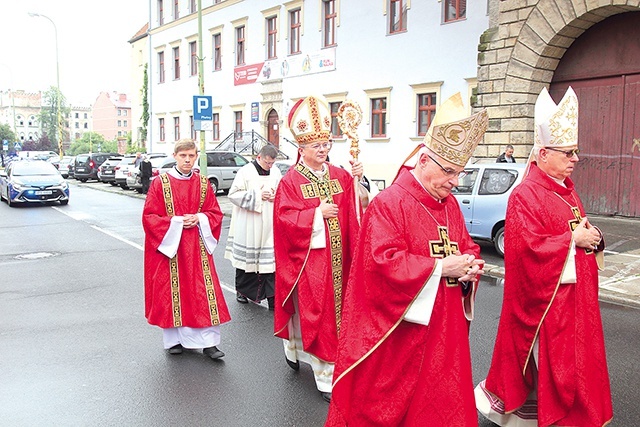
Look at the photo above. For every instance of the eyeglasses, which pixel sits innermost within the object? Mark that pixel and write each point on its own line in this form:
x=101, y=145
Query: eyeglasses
x=317, y=147
x=448, y=171
x=568, y=153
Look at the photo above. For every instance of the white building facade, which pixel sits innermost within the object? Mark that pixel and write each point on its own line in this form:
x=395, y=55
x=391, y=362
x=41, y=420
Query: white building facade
x=399, y=59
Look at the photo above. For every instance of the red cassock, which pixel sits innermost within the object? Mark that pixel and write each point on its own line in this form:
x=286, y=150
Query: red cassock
x=391, y=372
x=197, y=307
x=573, y=381
x=309, y=271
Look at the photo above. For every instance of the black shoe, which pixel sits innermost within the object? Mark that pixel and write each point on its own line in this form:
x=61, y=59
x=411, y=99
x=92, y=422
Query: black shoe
x=176, y=349
x=272, y=303
x=241, y=299
x=326, y=396
x=293, y=365
x=213, y=352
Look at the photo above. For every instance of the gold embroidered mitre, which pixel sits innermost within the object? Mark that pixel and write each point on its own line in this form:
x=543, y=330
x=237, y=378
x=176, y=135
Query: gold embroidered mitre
x=556, y=125
x=310, y=121
x=453, y=135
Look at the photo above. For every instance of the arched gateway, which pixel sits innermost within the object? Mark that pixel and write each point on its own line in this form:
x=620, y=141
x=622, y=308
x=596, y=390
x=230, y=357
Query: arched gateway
x=595, y=50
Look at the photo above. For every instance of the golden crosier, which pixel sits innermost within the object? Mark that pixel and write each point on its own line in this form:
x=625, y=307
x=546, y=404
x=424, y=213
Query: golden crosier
x=349, y=118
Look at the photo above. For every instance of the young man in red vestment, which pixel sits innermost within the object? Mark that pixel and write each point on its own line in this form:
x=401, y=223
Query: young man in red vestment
x=316, y=229
x=549, y=365
x=182, y=222
x=403, y=354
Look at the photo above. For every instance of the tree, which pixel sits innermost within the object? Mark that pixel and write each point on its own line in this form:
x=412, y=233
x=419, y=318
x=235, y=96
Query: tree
x=45, y=144
x=92, y=142
x=145, y=106
x=7, y=134
x=48, y=116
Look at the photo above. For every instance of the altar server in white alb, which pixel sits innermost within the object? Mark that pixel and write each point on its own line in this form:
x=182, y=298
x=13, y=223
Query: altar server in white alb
x=250, y=242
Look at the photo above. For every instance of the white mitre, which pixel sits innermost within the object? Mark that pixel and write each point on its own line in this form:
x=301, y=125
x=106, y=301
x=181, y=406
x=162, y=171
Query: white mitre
x=556, y=125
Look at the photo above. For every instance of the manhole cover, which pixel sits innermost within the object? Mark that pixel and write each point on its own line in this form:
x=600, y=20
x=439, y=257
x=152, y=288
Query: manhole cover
x=36, y=255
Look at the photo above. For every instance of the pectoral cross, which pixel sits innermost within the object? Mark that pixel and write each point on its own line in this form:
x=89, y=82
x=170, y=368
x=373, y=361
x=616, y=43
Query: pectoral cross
x=443, y=248
x=573, y=223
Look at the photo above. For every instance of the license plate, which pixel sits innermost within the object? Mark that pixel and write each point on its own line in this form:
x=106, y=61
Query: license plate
x=43, y=192
x=80, y=169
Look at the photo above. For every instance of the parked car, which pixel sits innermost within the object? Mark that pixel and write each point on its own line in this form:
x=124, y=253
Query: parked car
x=122, y=170
x=284, y=165
x=133, y=180
x=106, y=171
x=86, y=165
x=62, y=165
x=24, y=182
x=483, y=195
x=222, y=167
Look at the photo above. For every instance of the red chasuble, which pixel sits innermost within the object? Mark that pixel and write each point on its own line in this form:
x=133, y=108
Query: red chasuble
x=317, y=275
x=573, y=381
x=194, y=297
x=391, y=372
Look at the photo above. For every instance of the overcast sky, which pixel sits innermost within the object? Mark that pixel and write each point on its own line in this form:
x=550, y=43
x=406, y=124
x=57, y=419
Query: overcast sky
x=93, y=49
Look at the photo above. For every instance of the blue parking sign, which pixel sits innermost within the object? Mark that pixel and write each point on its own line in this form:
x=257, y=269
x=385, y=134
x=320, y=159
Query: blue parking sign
x=202, y=112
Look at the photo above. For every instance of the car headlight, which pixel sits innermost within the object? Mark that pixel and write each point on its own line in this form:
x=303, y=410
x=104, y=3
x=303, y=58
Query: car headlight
x=64, y=185
x=18, y=186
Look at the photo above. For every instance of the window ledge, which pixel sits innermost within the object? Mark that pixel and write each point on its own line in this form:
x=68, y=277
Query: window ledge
x=377, y=139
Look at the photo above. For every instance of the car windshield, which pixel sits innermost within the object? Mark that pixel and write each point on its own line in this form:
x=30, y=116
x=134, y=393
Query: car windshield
x=33, y=168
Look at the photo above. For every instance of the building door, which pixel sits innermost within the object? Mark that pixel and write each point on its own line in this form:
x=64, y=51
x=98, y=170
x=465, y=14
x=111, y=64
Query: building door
x=603, y=67
x=273, y=132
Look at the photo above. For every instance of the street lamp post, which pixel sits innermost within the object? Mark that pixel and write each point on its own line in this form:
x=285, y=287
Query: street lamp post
x=59, y=114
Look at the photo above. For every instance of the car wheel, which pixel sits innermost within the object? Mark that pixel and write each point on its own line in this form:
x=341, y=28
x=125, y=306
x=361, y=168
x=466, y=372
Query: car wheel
x=113, y=183
x=83, y=180
x=11, y=205
x=214, y=184
x=139, y=190
x=498, y=241
x=124, y=186
x=64, y=202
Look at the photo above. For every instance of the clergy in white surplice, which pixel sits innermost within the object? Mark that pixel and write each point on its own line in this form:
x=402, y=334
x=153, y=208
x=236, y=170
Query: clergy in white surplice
x=250, y=242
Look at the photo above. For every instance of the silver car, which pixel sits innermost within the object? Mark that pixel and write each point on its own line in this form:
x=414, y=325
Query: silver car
x=483, y=195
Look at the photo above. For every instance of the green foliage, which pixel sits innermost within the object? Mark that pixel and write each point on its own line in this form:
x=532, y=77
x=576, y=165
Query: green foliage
x=7, y=133
x=48, y=116
x=92, y=142
x=145, y=105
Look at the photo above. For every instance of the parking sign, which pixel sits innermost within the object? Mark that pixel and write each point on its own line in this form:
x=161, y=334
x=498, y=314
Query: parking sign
x=202, y=112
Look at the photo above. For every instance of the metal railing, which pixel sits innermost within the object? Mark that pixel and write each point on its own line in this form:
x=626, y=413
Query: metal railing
x=247, y=143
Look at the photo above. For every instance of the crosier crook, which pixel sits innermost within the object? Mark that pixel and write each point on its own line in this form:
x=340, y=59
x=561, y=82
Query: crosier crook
x=349, y=118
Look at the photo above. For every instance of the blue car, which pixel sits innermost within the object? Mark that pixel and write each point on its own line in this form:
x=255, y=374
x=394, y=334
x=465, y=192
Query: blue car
x=33, y=181
x=483, y=194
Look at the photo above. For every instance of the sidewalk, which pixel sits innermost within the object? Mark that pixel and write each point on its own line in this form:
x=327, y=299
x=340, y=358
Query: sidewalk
x=620, y=280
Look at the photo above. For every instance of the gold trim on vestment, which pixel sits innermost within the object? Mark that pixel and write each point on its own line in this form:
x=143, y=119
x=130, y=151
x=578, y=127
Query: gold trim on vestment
x=173, y=262
x=443, y=248
x=326, y=189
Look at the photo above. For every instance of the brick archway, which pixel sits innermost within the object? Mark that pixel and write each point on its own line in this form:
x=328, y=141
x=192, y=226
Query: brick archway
x=517, y=58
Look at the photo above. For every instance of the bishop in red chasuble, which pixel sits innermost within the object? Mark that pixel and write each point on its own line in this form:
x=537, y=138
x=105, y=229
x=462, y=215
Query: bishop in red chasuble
x=403, y=354
x=549, y=365
x=182, y=222
x=315, y=230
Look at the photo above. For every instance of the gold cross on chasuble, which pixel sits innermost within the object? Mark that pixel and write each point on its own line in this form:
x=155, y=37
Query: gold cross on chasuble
x=443, y=248
x=325, y=189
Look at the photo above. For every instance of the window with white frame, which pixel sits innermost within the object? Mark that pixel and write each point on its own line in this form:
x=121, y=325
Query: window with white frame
x=426, y=103
x=454, y=10
x=378, y=117
x=176, y=63
x=160, y=11
x=336, y=132
x=329, y=22
x=192, y=6
x=161, y=75
x=238, y=124
x=240, y=40
x=397, y=16
x=217, y=52
x=271, y=36
x=192, y=127
x=216, y=126
x=193, y=58
x=161, y=129
x=176, y=9
x=294, y=31
x=176, y=128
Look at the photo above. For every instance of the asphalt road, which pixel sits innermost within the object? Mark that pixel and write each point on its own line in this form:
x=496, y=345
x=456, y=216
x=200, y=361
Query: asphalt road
x=77, y=351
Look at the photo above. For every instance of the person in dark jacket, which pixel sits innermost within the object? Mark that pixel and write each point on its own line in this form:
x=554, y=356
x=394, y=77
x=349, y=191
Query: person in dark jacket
x=507, y=156
x=145, y=174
